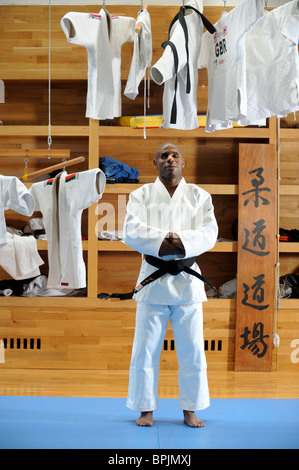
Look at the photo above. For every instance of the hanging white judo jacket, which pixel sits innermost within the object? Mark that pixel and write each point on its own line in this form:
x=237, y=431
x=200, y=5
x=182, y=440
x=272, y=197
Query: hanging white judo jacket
x=272, y=63
x=61, y=200
x=223, y=54
x=15, y=196
x=142, y=55
x=102, y=35
x=164, y=72
x=151, y=215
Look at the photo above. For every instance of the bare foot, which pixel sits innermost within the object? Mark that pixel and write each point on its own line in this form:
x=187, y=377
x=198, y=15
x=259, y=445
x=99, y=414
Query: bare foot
x=192, y=420
x=145, y=419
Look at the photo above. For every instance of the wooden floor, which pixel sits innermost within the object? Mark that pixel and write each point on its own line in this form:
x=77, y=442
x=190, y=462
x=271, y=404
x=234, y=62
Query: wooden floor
x=99, y=383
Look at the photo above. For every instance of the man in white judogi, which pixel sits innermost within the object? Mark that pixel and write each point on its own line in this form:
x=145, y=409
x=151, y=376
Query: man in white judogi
x=169, y=220
x=102, y=35
x=61, y=200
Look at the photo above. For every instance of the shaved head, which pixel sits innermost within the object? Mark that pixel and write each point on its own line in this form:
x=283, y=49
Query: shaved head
x=164, y=146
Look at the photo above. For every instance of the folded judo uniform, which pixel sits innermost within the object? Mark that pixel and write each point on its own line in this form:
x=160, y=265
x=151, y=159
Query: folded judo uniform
x=223, y=54
x=177, y=69
x=272, y=63
x=151, y=215
x=102, y=35
x=19, y=257
x=61, y=200
x=15, y=196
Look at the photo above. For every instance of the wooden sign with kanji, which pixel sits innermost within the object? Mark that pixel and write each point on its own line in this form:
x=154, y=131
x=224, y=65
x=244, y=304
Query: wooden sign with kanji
x=256, y=283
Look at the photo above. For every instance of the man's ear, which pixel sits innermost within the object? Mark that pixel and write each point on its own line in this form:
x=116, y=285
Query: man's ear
x=183, y=164
x=155, y=163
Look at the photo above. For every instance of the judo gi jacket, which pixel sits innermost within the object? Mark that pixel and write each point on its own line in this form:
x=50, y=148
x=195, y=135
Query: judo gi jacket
x=102, y=35
x=272, y=63
x=163, y=72
x=61, y=200
x=151, y=215
x=224, y=56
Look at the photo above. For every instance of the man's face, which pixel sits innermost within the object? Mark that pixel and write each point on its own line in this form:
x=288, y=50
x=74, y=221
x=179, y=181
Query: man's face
x=169, y=162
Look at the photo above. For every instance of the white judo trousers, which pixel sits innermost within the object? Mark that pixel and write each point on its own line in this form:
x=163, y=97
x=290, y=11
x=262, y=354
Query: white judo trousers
x=151, y=324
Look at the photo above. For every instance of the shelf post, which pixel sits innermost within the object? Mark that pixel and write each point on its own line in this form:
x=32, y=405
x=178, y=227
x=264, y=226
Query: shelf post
x=93, y=162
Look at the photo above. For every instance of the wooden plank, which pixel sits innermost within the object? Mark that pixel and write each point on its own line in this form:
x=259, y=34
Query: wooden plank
x=256, y=257
x=35, y=153
x=64, y=131
x=229, y=189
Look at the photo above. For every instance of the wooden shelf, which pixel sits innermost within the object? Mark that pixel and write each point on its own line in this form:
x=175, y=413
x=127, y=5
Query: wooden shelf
x=106, y=245
x=289, y=247
x=289, y=134
x=289, y=190
x=42, y=245
x=224, y=189
x=43, y=131
x=128, y=132
x=235, y=132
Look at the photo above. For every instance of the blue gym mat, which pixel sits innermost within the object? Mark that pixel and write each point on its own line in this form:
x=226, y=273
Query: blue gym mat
x=106, y=423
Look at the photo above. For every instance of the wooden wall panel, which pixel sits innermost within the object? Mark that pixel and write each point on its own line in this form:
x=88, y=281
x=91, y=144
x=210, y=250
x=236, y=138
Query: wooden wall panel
x=288, y=331
x=85, y=338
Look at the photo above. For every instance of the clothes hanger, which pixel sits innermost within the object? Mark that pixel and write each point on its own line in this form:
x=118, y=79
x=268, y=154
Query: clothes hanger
x=139, y=25
x=51, y=168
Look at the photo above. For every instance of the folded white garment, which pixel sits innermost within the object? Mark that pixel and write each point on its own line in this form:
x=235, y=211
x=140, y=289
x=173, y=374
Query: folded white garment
x=19, y=257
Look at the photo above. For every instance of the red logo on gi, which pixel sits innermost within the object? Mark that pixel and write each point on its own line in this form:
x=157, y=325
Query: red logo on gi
x=224, y=30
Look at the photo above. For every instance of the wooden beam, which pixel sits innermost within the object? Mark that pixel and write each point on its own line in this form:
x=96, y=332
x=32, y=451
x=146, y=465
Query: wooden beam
x=35, y=153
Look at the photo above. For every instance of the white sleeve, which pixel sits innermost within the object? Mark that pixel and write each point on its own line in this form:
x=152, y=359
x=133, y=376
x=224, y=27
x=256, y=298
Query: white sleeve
x=204, y=236
x=34, y=193
x=203, y=60
x=17, y=197
x=90, y=188
x=138, y=234
x=74, y=27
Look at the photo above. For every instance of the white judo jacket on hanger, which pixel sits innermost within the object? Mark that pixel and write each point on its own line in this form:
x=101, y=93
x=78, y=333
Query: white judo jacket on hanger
x=102, y=35
x=151, y=215
x=224, y=56
x=272, y=63
x=163, y=72
x=61, y=201
x=13, y=195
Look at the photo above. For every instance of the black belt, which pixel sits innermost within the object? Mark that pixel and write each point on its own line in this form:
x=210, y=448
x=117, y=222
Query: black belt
x=173, y=267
